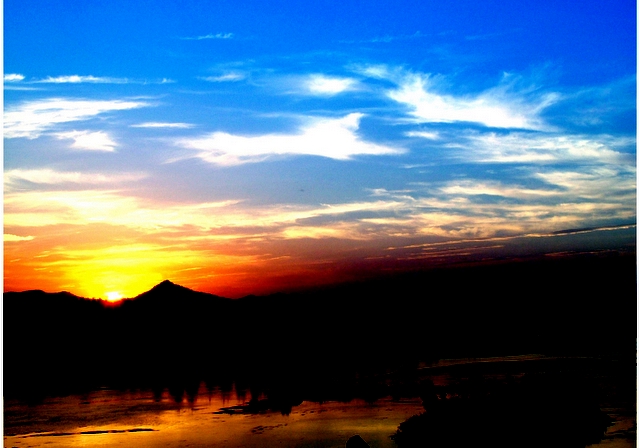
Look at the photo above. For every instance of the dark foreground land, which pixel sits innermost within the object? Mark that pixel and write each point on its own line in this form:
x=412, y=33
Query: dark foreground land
x=360, y=340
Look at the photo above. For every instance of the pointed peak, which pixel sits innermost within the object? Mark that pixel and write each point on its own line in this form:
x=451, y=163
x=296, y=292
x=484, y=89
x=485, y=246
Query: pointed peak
x=166, y=283
x=167, y=289
x=164, y=287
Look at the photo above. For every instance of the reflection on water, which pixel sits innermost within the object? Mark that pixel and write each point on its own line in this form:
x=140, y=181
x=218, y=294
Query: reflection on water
x=230, y=415
x=108, y=418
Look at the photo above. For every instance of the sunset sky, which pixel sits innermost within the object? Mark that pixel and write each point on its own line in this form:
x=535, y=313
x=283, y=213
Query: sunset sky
x=241, y=147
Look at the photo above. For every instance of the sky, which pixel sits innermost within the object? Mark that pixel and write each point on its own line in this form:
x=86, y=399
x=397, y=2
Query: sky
x=248, y=147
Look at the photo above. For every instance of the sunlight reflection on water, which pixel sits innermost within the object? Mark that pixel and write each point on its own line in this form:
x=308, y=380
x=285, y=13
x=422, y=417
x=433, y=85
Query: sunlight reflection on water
x=112, y=418
x=216, y=417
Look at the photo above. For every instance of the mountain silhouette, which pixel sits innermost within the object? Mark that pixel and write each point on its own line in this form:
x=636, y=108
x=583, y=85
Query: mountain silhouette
x=166, y=288
x=58, y=342
x=172, y=297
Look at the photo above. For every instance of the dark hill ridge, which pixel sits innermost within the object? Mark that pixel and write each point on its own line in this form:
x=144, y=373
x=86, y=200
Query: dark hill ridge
x=579, y=306
x=167, y=288
x=170, y=295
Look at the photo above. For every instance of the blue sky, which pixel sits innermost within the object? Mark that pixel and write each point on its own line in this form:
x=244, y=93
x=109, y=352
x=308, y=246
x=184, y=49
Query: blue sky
x=279, y=144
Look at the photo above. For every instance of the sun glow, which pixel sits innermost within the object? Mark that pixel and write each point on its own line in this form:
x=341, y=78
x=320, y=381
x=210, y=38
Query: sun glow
x=113, y=296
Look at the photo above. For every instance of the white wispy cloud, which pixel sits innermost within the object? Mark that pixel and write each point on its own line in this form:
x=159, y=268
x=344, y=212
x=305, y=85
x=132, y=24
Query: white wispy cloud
x=594, y=183
x=519, y=147
x=498, y=107
x=32, y=118
x=565, y=199
x=210, y=36
x=493, y=188
x=226, y=77
x=49, y=176
x=77, y=79
x=378, y=71
x=325, y=85
x=20, y=88
x=41, y=208
x=395, y=216
x=94, y=141
x=334, y=138
x=90, y=79
x=13, y=77
x=424, y=134
x=162, y=124
x=449, y=213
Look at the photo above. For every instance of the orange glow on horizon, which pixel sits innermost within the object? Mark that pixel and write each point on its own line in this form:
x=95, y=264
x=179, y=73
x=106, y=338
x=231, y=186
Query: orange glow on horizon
x=119, y=272
x=99, y=260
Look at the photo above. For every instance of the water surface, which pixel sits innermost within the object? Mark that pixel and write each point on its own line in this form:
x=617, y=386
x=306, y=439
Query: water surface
x=112, y=418
x=233, y=418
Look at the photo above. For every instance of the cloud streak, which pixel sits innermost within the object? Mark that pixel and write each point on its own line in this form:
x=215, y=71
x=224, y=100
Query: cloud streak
x=163, y=124
x=335, y=138
x=227, y=77
x=33, y=118
x=49, y=176
x=85, y=79
x=456, y=209
x=476, y=188
x=543, y=148
x=77, y=79
x=210, y=36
